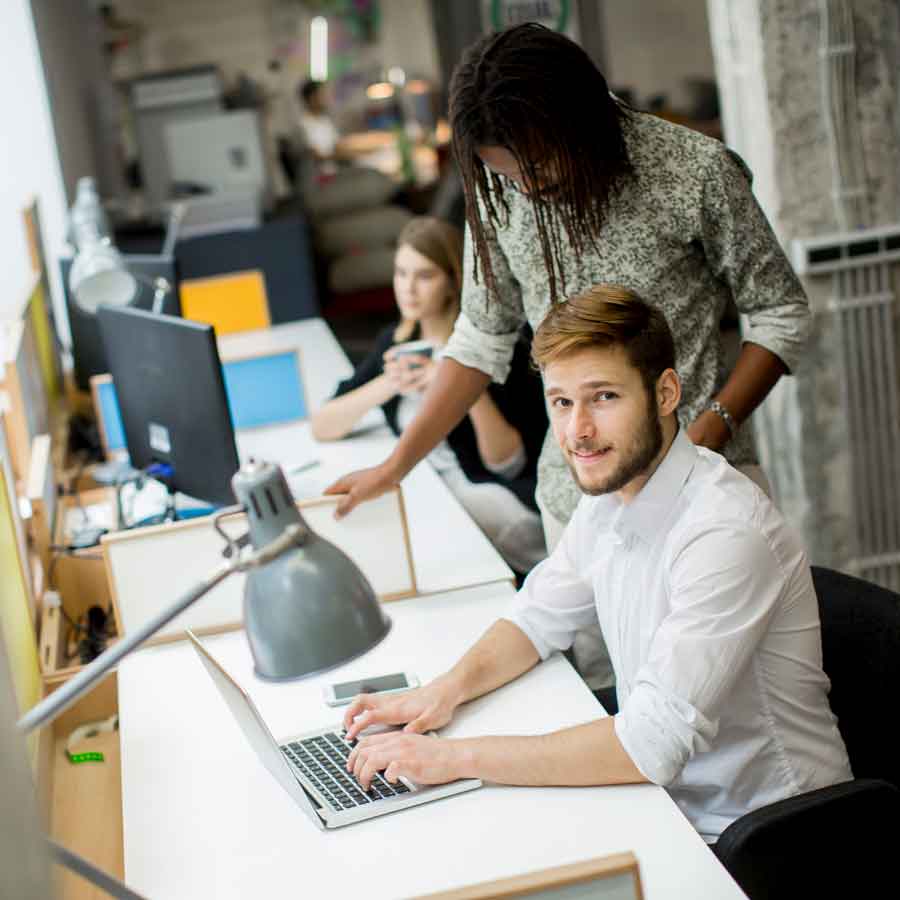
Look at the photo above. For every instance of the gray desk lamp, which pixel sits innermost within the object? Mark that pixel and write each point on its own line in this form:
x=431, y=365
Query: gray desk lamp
x=307, y=608
x=99, y=275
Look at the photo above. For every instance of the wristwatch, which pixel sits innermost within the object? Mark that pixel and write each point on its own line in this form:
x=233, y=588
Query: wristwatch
x=722, y=413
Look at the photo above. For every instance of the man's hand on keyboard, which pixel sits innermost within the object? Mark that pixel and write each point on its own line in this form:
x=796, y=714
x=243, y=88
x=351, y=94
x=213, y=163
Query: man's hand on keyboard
x=422, y=758
x=419, y=710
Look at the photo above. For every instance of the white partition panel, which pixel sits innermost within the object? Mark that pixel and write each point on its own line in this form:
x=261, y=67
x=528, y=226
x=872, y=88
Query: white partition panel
x=149, y=568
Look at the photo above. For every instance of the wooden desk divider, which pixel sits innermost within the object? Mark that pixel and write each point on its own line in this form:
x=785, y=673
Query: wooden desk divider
x=615, y=877
x=263, y=389
x=149, y=568
x=81, y=805
x=78, y=577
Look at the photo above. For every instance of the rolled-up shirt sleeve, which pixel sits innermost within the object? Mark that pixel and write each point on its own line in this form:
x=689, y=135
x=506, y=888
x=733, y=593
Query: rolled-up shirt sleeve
x=472, y=347
x=743, y=251
x=725, y=586
x=487, y=328
x=555, y=600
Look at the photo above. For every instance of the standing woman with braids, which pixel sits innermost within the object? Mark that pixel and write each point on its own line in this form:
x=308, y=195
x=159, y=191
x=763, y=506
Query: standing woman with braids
x=567, y=187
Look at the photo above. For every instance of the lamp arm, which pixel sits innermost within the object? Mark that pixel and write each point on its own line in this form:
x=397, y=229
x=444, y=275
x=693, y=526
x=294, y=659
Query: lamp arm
x=175, y=218
x=161, y=288
x=50, y=707
x=91, y=873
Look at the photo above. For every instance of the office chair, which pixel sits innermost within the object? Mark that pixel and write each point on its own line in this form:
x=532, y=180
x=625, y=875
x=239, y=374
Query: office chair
x=838, y=840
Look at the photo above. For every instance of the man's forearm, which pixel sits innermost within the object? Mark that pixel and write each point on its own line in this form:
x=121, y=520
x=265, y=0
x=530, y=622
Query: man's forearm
x=502, y=654
x=454, y=389
x=584, y=755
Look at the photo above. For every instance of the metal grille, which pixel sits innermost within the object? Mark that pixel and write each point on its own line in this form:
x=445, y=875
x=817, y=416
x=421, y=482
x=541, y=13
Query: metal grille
x=863, y=304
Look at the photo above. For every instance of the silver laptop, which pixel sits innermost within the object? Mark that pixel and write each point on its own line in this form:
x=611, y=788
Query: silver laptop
x=311, y=767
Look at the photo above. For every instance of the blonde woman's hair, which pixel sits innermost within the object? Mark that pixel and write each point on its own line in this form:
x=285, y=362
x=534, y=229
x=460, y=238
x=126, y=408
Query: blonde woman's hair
x=441, y=243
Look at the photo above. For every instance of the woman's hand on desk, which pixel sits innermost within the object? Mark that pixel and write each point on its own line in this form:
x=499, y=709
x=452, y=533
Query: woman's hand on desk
x=361, y=485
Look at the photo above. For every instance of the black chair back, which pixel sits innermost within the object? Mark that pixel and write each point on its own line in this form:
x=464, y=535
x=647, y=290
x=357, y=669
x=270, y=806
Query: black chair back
x=861, y=656
x=280, y=249
x=838, y=841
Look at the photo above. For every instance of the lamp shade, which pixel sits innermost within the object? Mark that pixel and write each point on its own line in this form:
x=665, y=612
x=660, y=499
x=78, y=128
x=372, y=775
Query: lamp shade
x=99, y=277
x=312, y=608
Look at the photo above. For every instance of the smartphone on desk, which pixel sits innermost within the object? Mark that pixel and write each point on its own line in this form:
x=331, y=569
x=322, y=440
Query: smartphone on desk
x=341, y=694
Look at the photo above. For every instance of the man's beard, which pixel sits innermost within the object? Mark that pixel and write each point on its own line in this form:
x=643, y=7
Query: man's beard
x=638, y=457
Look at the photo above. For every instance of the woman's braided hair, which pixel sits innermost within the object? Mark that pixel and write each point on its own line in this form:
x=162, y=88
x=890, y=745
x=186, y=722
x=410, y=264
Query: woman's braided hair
x=537, y=94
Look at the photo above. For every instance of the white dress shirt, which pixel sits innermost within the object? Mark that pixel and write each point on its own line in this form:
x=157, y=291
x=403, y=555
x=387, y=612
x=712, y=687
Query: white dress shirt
x=320, y=132
x=706, y=602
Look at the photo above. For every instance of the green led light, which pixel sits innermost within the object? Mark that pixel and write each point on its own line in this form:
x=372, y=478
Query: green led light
x=92, y=756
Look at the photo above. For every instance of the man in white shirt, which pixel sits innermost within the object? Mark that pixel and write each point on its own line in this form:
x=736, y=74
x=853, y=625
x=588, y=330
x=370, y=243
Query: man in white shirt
x=703, y=594
x=319, y=131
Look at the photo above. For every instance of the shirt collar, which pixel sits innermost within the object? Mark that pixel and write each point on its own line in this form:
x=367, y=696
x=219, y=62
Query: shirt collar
x=648, y=512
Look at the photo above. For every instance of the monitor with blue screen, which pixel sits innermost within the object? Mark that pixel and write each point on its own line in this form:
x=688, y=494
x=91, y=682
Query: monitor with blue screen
x=171, y=396
x=262, y=390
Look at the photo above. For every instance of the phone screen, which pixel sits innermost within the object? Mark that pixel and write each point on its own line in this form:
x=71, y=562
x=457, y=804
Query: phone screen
x=370, y=685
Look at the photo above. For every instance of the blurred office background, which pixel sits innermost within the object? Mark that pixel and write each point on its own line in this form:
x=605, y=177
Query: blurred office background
x=137, y=92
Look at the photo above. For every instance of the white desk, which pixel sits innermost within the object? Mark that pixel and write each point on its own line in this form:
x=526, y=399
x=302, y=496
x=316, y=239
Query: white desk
x=203, y=818
x=449, y=551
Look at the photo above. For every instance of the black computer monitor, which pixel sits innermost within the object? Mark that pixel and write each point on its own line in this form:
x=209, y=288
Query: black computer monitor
x=172, y=399
x=87, y=346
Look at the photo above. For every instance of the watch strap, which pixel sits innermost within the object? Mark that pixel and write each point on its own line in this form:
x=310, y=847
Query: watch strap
x=723, y=414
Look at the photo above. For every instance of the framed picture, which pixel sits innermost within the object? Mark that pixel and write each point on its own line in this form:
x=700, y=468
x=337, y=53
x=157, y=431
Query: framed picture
x=265, y=389
x=613, y=877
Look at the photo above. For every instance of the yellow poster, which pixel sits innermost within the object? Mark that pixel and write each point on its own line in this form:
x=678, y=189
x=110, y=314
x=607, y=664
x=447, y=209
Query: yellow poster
x=15, y=617
x=229, y=303
x=45, y=341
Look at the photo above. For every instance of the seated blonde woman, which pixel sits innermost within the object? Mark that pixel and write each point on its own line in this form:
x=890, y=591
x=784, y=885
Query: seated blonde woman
x=489, y=460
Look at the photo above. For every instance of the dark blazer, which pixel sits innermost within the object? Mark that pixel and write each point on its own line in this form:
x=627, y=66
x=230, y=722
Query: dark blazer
x=521, y=400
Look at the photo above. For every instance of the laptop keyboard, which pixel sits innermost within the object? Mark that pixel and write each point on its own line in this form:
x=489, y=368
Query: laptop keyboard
x=323, y=760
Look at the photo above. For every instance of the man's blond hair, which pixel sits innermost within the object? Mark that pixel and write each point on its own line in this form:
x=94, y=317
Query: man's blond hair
x=607, y=315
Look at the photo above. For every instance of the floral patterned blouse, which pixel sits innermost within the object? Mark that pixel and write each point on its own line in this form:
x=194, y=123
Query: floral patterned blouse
x=686, y=234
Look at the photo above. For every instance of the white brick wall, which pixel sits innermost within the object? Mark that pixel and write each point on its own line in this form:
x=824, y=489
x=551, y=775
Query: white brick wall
x=234, y=34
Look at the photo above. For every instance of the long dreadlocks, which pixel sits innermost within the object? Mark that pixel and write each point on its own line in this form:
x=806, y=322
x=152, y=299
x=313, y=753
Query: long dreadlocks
x=537, y=94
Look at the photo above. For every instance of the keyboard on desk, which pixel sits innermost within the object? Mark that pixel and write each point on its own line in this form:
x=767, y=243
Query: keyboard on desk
x=322, y=761
x=312, y=766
